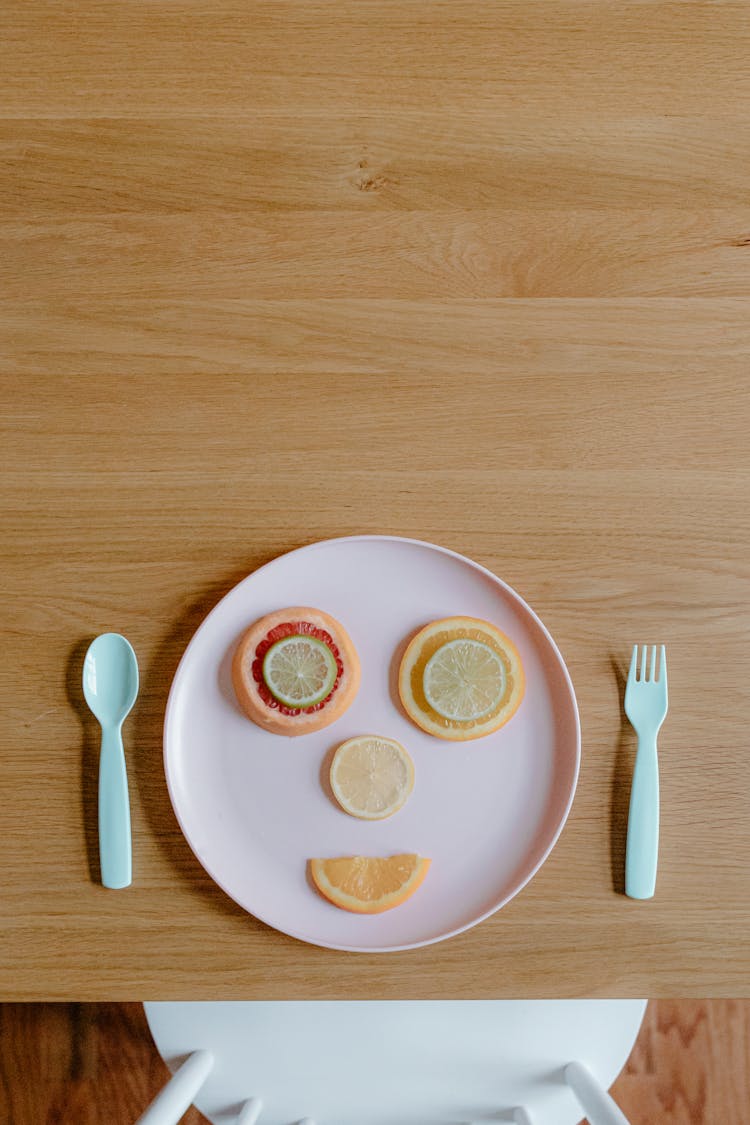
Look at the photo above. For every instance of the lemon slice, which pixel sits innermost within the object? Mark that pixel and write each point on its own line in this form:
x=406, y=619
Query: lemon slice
x=299, y=671
x=464, y=680
x=371, y=777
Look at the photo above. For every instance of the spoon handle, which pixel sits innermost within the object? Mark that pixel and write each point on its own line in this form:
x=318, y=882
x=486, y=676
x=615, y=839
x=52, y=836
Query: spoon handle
x=115, y=858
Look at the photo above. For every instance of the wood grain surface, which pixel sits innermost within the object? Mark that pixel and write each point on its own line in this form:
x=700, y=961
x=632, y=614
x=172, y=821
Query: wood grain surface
x=95, y=1063
x=474, y=273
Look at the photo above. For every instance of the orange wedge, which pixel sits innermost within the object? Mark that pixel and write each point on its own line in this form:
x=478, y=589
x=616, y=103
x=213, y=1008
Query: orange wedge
x=461, y=678
x=368, y=884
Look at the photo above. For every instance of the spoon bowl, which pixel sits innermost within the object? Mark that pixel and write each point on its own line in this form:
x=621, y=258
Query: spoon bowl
x=110, y=678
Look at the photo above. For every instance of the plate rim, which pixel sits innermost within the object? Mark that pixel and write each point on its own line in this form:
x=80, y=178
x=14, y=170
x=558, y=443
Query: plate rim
x=516, y=597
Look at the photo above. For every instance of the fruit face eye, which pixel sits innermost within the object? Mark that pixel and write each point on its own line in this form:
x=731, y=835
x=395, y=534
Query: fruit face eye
x=295, y=671
x=461, y=678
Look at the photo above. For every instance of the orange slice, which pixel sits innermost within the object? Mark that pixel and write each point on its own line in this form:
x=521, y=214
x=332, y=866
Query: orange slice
x=461, y=678
x=369, y=884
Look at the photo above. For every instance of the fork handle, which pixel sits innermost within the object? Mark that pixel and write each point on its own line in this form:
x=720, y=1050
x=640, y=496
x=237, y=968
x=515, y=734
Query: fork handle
x=643, y=823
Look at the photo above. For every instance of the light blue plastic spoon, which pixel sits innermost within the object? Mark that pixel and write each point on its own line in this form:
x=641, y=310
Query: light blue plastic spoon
x=110, y=685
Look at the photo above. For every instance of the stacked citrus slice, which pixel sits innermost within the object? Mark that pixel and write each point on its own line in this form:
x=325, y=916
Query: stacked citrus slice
x=461, y=678
x=295, y=671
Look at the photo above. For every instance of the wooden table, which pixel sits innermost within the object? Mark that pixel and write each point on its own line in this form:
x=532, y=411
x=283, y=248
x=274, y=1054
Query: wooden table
x=474, y=273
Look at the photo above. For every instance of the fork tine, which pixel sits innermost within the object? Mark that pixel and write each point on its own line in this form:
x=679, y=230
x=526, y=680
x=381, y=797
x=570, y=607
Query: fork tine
x=663, y=665
x=644, y=655
x=633, y=665
x=653, y=663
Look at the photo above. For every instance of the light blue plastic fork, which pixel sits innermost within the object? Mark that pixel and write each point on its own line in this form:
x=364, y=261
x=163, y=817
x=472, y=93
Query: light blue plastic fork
x=646, y=707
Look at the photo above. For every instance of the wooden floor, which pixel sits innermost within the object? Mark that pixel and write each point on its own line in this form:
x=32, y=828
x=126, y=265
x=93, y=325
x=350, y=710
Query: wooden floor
x=95, y=1063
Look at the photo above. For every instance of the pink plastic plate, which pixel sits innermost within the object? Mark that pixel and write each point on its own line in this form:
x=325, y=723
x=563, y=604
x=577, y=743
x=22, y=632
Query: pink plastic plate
x=254, y=807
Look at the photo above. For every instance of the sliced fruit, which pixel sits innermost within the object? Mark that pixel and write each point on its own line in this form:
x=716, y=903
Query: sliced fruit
x=299, y=671
x=371, y=776
x=294, y=629
x=464, y=680
x=369, y=884
x=461, y=678
x=300, y=696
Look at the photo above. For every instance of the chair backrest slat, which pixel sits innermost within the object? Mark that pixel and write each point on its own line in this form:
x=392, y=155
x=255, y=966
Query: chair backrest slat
x=175, y=1099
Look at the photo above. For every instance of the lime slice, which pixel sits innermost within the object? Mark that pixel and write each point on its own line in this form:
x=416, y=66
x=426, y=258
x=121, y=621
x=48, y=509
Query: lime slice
x=464, y=680
x=299, y=671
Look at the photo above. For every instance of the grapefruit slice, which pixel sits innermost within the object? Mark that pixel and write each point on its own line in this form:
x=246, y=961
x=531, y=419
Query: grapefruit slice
x=295, y=671
x=369, y=884
x=461, y=678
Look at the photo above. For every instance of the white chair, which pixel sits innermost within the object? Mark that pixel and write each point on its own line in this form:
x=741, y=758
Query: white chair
x=401, y=1062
